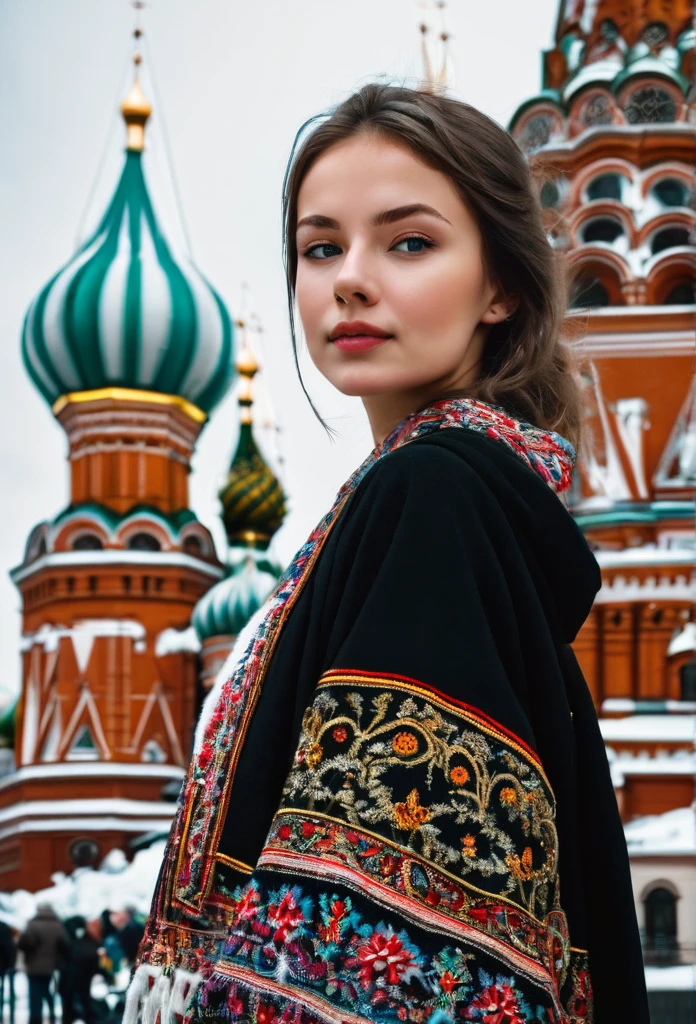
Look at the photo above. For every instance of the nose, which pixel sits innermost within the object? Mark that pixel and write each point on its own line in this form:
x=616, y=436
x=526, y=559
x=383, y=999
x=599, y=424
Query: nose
x=355, y=280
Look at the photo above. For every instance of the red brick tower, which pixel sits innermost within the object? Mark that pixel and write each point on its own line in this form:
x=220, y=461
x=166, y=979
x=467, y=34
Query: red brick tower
x=132, y=348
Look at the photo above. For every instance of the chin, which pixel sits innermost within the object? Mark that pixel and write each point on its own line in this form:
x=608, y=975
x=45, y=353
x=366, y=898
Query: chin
x=361, y=382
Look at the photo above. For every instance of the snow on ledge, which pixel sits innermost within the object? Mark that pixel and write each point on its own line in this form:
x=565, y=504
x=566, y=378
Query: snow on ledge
x=681, y=978
x=649, y=729
x=177, y=641
x=673, y=832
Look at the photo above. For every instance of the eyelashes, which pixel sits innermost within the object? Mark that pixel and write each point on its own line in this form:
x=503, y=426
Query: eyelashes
x=318, y=251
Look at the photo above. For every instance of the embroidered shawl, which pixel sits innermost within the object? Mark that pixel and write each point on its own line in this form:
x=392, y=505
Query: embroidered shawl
x=398, y=806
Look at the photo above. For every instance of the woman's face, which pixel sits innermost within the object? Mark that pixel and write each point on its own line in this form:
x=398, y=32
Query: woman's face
x=391, y=287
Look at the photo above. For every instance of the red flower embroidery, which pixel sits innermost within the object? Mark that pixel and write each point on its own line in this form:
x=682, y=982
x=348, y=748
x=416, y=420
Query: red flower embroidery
x=308, y=829
x=266, y=1014
x=205, y=756
x=340, y=734
x=499, y=1006
x=447, y=982
x=284, y=917
x=284, y=832
x=383, y=955
x=248, y=905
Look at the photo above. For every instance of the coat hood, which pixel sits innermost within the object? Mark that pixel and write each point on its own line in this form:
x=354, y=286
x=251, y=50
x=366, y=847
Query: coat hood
x=503, y=450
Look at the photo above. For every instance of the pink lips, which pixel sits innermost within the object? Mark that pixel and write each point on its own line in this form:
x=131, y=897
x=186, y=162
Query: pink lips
x=358, y=343
x=357, y=336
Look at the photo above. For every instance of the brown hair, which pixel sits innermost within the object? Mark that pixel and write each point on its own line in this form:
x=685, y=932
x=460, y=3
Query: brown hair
x=526, y=367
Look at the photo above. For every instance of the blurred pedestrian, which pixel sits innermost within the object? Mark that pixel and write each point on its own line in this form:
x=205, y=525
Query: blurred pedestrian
x=44, y=943
x=76, y=972
x=8, y=957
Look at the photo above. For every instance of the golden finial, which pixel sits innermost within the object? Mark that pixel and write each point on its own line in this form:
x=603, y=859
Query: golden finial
x=135, y=108
x=247, y=368
x=435, y=78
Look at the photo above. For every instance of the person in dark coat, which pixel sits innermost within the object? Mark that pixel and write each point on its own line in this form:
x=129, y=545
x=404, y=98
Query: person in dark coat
x=399, y=806
x=77, y=971
x=8, y=957
x=44, y=943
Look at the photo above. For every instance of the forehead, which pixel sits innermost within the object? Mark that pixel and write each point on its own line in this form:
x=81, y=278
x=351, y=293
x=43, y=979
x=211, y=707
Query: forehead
x=369, y=171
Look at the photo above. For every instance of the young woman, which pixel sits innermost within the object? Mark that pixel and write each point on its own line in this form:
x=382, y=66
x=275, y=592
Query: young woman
x=399, y=806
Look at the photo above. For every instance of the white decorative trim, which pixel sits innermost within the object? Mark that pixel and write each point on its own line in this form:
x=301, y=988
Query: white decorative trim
x=113, y=769
x=107, y=824
x=83, y=559
x=120, y=806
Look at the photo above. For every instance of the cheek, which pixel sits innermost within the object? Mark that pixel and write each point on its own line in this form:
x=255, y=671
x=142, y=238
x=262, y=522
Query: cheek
x=311, y=291
x=446, y=293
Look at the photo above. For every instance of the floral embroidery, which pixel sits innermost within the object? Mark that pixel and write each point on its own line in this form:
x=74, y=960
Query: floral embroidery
x=405, y=743
x=418, y=768
x=329, y=957
x=410, y=816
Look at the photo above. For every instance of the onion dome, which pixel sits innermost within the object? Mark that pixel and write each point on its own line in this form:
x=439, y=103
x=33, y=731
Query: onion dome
x=127, y=310
x=252, y=499
x=228, y=606
x=8, y=722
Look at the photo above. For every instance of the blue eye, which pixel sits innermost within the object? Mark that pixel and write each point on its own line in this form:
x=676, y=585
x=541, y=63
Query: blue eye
x=322, y=251
x=413, y=244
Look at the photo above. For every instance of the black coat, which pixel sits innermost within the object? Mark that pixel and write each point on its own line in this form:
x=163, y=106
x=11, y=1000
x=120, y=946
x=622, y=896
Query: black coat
x=44, y=942
x=421, y=819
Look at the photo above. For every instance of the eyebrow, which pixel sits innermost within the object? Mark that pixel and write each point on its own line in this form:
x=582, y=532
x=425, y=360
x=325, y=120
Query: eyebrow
x=318, y=220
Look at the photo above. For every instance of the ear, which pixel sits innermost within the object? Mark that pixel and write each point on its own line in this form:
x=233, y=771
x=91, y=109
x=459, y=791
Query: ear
x=500, y=308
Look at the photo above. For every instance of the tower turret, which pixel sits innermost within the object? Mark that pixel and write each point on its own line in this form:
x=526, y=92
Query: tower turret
x=253, y=508
x=133, y=348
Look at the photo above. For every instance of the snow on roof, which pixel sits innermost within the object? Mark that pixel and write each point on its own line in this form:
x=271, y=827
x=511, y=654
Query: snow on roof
x=117, y=885
x=673, y=832
x=649, y=728
x=681, y=978
x=627, y=706
x=681, y=762
x=644, y=554
x=175, y=641
x=685, y=640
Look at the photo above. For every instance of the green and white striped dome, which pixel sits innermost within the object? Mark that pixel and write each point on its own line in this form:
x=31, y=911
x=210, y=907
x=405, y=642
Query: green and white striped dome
x=126, y=310
x=227, y=607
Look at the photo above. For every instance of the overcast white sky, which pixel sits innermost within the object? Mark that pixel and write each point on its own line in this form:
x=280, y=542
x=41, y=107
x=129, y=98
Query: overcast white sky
x=232, y=83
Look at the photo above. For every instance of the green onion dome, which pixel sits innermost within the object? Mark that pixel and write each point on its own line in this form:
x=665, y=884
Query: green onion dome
x=227, y=607
x=127, y=310
x=253, y=503
x=8, y=720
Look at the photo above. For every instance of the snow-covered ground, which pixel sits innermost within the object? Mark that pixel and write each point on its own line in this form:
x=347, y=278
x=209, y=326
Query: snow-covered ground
x=116, y=885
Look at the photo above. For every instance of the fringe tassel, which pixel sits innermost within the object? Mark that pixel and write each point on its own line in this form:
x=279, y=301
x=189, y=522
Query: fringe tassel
x=153, y=993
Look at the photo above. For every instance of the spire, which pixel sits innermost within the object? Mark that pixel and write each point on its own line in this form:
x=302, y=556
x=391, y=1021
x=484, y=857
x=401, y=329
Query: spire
x=252, y=498
x=436, y=61
x=135, y=108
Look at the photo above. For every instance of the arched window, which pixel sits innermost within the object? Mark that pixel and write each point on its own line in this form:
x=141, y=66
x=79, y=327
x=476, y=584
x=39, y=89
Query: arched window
x=687, y=681
x=602, y=229
x=597, y=109
x=550, y=194
x=143, y=542
x=589, y=293
x=661, y=925
x=680, y=295
x=669, y=238
x=87, y=542
x=605, y=186
x=650, y=105
x=671, y=192
x=192, y=546
x=536, y=132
